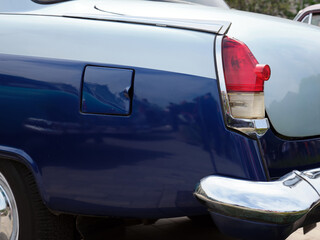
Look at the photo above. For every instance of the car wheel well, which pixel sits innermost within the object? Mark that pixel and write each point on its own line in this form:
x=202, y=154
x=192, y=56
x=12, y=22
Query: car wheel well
x=38, y=221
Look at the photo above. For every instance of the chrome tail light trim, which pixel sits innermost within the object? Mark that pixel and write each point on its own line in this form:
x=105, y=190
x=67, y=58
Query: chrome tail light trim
x=247, y=126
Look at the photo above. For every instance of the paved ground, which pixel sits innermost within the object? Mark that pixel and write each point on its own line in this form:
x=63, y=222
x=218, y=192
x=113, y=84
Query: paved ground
x=176, y=228
x=313, y=235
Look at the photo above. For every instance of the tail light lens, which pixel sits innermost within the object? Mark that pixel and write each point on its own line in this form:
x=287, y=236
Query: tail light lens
x=245, y=79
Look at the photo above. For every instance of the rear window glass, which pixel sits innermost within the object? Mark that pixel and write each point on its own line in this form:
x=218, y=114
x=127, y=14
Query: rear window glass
x=315, y=19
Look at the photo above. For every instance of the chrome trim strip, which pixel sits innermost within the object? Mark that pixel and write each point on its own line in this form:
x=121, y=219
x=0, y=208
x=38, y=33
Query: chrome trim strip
x=310, y=18
x=218, y=27
x=293, y=199
x=248, y=126
x=313, y=177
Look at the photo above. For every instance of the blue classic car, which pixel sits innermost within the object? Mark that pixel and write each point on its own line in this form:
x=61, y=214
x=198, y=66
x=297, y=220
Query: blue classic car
x=155, y=109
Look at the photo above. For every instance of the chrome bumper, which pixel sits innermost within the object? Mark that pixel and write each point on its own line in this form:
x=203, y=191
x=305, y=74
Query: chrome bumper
x=294, y=199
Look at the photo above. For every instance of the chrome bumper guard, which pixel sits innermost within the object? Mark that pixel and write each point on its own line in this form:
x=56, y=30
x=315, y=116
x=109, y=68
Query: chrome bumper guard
x=293, y=199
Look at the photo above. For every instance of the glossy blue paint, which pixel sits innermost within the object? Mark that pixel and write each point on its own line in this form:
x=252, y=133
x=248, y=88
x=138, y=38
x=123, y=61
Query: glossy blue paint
x=283, y=155
x=143, y=165
x=106, y=90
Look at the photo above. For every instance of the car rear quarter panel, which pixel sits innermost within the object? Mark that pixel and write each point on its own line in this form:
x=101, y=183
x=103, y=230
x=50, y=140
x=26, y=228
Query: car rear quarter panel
x=142, y=165
x=291, y=94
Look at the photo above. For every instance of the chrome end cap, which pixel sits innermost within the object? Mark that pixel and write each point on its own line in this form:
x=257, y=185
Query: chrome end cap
x=284, y=201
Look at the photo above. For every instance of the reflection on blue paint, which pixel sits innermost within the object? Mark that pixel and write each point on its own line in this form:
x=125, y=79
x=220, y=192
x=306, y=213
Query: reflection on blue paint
x=143, y=165
x=283, y=156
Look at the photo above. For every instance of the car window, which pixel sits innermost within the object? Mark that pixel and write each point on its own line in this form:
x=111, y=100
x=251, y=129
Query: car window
x=315, y=19
x=306, y=19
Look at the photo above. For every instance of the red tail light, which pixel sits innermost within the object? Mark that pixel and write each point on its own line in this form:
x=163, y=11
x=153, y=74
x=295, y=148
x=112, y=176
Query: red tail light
x=244, y=78
x=242, y=71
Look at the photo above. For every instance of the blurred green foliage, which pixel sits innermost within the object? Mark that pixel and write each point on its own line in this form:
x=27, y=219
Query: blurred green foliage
x=282, y=8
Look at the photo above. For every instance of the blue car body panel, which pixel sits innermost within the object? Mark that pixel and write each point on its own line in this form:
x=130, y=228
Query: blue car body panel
x=120, y=117
x=285, y=155
x=142, y=165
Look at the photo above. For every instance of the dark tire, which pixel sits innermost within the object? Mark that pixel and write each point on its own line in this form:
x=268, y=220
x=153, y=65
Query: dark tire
x=35, y=220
